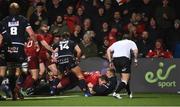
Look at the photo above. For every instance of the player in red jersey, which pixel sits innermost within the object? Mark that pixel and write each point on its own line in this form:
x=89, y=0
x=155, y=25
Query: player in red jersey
x=32, y=51
x=92, y=77
x=44, y=57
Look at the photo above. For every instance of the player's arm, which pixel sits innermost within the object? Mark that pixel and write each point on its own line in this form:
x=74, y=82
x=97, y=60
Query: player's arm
x=46, y=45
x=135, y=52
x=109, y=55
x=78, y=51
x=1, y=39
x=31, y=33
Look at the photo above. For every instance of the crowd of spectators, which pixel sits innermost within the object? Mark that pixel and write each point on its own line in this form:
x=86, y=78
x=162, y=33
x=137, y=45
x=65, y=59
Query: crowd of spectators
x=150, y=23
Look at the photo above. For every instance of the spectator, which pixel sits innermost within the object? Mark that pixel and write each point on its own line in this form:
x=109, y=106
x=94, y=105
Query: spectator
x=144, y=44
x=87, y=25
x=165, y=16
x=136, y=20
x=117, y=22
x=55, y=8
x=108, y=7
x=77, y=35
x=103, y=48
x=146, y=9
x=152, y=29
x=101, y=34
x=88, y=47
x=59, y=26
x=81, y=15
x=112, y=36
x=99, y=18
x=70, y=18
x=175, y=35
x=159, y=51
x=32, y=7
x=38, y=15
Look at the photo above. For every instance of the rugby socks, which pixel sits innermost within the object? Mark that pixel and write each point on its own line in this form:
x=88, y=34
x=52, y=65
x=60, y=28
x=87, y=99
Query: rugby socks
x=29, y=82
x=121, y=86
x=82, y=85
x=128, y=89
x=12, y=82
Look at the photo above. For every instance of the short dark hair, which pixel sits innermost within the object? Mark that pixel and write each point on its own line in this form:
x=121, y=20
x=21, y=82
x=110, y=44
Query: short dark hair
x=126, y=36
x=104, y=78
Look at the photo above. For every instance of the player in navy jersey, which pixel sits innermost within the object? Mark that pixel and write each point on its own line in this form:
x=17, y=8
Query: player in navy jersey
x=66, y=60
x=16, y=26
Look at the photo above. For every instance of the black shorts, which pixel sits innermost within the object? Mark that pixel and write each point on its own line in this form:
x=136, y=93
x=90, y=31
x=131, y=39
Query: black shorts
x=122, y=64
x=66, y=63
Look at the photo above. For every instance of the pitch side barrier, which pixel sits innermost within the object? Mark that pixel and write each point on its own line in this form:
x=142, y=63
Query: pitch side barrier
x=151, y=74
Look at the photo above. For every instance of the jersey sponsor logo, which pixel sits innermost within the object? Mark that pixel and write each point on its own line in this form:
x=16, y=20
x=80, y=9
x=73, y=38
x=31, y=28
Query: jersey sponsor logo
x=13, y=24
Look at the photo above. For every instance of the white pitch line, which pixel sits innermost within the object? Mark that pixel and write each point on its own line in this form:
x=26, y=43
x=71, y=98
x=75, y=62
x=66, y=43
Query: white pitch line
x=50, y=97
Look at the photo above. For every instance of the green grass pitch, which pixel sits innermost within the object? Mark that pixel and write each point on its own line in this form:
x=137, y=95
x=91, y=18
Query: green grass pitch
x=76, y=99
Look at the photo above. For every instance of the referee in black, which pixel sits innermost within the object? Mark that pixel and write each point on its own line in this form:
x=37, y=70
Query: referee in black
x=119, y=56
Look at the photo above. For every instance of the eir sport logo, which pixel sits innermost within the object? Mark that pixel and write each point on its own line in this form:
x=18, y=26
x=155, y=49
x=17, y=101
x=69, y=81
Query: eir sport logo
x=161, y=76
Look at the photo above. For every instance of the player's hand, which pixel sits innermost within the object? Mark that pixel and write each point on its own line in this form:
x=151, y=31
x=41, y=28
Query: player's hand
x=111, y=65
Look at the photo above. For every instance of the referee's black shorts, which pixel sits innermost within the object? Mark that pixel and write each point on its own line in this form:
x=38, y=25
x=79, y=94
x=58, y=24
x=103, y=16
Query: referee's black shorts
x=122, y=64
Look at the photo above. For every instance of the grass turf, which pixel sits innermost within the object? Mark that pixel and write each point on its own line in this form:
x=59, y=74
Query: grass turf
x=139, y=99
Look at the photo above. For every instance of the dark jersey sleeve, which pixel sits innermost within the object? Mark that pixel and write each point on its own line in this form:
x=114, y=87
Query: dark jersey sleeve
x=101, y=89
x=6, y=37
x=25, y=22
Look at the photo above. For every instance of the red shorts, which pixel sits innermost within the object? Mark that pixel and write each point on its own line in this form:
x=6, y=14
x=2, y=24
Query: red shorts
x=44, y=59
x=33, y=62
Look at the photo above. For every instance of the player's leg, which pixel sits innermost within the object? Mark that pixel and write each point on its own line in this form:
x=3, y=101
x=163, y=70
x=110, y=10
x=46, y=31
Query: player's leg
x=42, y=70
x=124, y=82
x=129, y=90
x=53, y=69
x=13, y=76
x=122, y=66
x=82, y=84
x=33, y=69
x=2, y=74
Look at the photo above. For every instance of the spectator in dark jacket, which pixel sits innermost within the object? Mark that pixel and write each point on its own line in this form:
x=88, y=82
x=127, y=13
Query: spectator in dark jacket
x=38, y=16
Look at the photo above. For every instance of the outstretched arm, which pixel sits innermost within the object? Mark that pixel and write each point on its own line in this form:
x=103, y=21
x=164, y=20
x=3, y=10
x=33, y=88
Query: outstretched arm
x=31, y=33
x=78, y=51
x=1, y=39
